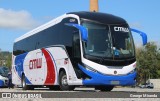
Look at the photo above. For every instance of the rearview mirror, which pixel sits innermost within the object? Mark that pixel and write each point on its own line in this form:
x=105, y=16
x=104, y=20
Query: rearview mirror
x=83, y=30
x=143, y=35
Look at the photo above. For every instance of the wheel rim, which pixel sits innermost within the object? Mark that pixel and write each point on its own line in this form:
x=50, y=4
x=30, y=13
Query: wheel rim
x=23, y=83
x=64, y=80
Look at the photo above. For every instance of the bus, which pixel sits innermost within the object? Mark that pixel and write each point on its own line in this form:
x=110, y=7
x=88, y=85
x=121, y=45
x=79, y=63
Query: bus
x=77, y=49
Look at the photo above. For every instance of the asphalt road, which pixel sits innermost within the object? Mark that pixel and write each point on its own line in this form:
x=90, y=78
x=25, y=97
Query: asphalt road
x=82, y=89
x=81, y=94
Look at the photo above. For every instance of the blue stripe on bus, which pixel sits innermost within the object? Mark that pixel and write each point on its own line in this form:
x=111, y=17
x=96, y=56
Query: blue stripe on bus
x=19, y=61
x=100, y=79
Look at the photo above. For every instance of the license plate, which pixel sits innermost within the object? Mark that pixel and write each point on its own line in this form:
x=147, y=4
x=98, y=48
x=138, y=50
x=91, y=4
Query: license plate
x=115, y=82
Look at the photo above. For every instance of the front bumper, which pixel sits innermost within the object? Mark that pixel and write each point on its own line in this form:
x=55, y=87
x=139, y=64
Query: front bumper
x=100, y=79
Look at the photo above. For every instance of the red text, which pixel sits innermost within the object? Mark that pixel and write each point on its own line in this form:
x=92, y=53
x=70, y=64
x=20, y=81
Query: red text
x=35, y=63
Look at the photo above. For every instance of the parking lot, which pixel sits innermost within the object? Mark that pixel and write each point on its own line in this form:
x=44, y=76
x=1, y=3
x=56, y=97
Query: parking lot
x=84, y=89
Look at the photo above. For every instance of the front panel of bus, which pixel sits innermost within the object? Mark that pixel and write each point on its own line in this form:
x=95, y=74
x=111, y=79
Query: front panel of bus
x=108, y=54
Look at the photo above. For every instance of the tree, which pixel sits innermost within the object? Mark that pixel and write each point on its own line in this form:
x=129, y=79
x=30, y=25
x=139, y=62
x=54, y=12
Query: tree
x=9, y=61
x=1, y=57
x=148, y=64
x=158, y=57
x=5, y=58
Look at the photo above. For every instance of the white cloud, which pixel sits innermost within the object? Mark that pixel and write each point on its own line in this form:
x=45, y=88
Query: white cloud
x=16, y=19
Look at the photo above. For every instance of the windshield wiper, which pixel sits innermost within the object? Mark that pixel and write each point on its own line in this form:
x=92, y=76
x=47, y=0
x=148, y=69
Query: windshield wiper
x=103, y=57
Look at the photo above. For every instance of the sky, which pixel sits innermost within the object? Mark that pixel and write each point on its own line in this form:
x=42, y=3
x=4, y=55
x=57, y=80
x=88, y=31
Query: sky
x=17, y=17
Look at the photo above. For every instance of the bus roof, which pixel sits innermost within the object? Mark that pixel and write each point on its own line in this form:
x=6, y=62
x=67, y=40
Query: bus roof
x=95, y=16
x=100, y=17
x=44, y=26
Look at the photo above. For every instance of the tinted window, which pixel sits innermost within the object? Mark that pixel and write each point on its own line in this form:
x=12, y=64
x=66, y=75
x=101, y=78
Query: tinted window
x=122, y=41
x=76, y=45
x=59, y=34
x=98, y=43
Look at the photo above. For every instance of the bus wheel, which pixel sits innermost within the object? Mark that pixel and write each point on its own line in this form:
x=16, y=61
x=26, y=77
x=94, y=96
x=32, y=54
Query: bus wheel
x=63, y=82
x=104, y=88
x=24, y=86
x=23, y=83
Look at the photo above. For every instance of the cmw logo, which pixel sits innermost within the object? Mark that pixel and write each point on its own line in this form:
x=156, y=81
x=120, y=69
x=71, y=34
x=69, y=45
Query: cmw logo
x=122, y=29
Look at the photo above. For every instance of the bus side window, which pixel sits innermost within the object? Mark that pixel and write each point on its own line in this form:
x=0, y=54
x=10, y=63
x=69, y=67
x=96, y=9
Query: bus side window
x=76, y=45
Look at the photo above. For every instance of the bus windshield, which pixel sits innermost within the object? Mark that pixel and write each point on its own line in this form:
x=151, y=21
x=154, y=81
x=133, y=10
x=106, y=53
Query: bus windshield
x=122, y=41
x=99, y=43
x=2, y=72
x=108, y=41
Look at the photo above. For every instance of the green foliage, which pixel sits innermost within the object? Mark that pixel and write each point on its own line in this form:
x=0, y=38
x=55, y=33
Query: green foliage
x=5, y=59
x=148, y=62
x=9, y=61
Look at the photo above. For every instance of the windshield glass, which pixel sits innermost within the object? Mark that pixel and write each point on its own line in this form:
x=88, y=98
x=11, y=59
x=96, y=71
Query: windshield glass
x=108, y=41
x=122, y=41
x=6, y=70
x=2, y=73
x=98, y=43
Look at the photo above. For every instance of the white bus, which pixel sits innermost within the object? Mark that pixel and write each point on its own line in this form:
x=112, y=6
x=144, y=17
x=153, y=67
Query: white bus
x=76, y=49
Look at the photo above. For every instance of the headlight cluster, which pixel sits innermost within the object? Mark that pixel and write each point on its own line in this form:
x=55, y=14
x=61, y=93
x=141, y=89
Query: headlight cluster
x=132, y=71
x=90, y=69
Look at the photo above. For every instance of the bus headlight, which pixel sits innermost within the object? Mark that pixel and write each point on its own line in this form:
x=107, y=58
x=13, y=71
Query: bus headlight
x=135, y=65
x=132, y=71
x=90, y=69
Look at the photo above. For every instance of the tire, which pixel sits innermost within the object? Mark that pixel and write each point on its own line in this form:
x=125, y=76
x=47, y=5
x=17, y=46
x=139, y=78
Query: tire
x=63, y=82
x=24, y=86
x=104, y=88
x=23, y=83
